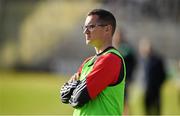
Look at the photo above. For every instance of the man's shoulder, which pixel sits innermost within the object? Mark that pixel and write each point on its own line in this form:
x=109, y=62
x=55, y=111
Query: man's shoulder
x=110, y=57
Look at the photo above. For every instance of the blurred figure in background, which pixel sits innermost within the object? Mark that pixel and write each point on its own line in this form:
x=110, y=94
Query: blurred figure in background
x=128, y=53
x=178, y=81
x=154, y=72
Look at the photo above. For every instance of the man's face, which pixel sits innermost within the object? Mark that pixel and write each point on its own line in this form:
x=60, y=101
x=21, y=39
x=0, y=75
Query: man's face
x=94, y=31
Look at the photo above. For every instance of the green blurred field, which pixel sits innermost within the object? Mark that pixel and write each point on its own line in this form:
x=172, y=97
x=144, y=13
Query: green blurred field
x=31, y=93
x=38, y=93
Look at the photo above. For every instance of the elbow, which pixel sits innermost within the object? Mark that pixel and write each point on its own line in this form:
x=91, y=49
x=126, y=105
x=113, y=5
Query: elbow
x=80, y=96
x=65, y=101
x=75, y=103
x=66, y=91
x=78, y=102
x=64, y=97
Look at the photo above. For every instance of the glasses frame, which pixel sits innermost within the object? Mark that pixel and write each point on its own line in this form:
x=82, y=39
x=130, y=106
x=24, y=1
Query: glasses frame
x=92, y=26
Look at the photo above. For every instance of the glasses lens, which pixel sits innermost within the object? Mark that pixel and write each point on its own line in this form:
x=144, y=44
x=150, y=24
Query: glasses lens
x=91, y=27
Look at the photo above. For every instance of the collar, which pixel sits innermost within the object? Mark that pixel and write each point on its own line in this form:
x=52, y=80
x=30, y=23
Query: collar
x=108, y=48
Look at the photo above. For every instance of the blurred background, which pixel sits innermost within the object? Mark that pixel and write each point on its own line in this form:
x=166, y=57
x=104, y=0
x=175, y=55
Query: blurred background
x=42, y=44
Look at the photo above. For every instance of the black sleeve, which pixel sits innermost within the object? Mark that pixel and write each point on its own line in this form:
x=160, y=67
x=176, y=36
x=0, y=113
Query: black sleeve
x=67, y=90
x=80, y=95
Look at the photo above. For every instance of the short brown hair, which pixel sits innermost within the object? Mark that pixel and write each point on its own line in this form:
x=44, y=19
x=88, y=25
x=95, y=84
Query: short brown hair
x=105, y=17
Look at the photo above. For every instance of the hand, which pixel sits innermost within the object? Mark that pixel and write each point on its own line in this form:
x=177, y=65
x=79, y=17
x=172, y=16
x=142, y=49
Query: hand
x=74, y=77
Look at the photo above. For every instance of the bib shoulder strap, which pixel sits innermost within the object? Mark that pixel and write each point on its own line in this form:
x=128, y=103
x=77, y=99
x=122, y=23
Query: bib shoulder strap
x=122, y=74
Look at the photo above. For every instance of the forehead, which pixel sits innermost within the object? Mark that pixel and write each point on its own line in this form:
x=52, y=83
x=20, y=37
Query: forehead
x=91, y=19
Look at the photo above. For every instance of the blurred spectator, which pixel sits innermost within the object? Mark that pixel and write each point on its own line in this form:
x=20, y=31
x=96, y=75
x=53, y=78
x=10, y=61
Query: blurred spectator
x=178, y=84
x=121, y=43
x=154, y=72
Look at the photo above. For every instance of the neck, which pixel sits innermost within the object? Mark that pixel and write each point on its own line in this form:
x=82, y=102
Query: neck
x=102, y=48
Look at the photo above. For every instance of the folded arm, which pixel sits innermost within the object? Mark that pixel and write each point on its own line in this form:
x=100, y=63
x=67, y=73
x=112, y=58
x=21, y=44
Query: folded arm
x=80, y=95
x=105, y=73
x=67, y=90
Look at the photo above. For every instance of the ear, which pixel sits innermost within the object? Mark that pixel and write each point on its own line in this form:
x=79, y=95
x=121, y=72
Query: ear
x=108, y=29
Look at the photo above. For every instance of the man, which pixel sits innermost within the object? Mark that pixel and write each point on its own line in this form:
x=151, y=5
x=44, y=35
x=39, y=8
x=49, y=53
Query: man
x=98, y=86
x=155, y=75
x=128, y=53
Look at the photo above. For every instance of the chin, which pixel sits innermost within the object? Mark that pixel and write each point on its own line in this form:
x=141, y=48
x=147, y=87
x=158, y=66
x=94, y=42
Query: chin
x=87, y=42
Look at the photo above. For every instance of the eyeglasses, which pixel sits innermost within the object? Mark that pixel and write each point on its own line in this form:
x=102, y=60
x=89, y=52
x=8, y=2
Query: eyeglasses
x=92, y=26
